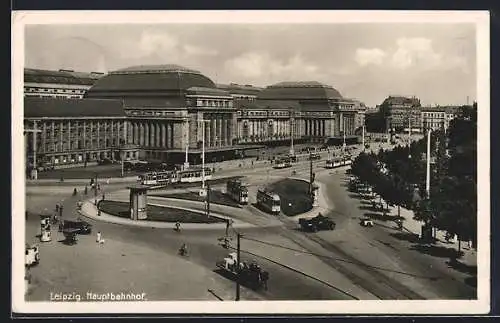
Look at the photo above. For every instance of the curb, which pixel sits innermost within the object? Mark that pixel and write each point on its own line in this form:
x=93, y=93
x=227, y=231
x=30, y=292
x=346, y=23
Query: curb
x=89, y=210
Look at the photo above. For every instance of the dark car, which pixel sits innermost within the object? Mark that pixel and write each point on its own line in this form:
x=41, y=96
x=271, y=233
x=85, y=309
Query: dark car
x=317, y=223
x=80, y=226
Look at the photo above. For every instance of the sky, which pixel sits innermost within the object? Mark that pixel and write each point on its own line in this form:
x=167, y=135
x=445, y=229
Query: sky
x=365, y=61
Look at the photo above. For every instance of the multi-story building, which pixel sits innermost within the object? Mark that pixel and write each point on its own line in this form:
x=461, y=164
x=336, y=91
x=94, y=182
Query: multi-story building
x=58, y=84
x=438, y=117
x=401, y=113
x=168, y=112
x=169, y=108
x=67, y=132
x=323, y=115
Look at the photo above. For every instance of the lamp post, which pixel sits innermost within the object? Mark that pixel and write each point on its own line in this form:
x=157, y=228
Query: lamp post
x=186, y=162
x=428, y=168
x=292, y=151
x=363, y=136
x=203, y=156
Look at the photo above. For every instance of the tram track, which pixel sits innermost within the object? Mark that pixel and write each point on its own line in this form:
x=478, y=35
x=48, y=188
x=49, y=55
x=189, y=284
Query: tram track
x=359, y=273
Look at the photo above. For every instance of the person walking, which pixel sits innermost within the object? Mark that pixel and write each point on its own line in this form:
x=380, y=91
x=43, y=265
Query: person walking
x=99, y=237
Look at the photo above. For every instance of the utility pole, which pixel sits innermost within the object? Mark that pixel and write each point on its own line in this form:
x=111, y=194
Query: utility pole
x=186, y=162
x=292, y=151
x=238, y=237
x=409, y=136
x=208, y=200
x=311, y=179
x=363, y=136
x=428, y=170
x=95, y=189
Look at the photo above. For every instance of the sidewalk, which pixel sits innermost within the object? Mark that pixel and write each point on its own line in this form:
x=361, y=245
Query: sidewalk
x=90, y=210
x=413, y=226
x=81, y=181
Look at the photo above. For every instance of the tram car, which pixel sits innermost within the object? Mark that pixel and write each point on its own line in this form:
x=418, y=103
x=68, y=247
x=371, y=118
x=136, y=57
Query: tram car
x=193, y=175
x=237, y=190
x=338, y=162
x=269, y=201
x=158, y=178
x=282, y=163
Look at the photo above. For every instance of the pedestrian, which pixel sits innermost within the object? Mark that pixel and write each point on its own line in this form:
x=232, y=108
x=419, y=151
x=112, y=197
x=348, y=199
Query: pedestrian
x=98, y=187
x=86, y=190
x=107, y=181
x=103, y=196
x=74, y=191
x=99, y=236
x=57, y=207
x=98, y=212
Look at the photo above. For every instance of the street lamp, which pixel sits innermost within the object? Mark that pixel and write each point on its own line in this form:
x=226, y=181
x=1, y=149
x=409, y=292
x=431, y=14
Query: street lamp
x=203, y=192
x=186, y=162
x=292, y=151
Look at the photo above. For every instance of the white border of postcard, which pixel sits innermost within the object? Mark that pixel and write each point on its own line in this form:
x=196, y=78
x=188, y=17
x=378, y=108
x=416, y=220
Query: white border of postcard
x=480, y=19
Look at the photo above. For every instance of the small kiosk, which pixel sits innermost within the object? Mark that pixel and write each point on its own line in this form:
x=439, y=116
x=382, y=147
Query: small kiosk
x=138, y=202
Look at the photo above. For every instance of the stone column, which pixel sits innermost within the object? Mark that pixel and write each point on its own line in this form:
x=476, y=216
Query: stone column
x=163, y=135
x=171, y=135
x=228, y=132
x=213, y=130
x=224, y=131
x=158, y=135
x=141, y=134
x=219, y=130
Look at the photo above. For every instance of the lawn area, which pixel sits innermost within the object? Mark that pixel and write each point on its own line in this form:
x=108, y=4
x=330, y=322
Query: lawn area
x=157, y=213
x=216, y=197
x=294, y=195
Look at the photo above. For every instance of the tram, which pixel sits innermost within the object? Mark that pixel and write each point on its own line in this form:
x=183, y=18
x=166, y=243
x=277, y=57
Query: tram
x=269, y=201
x=282, y=163
x=193, y=175
x=237, y=190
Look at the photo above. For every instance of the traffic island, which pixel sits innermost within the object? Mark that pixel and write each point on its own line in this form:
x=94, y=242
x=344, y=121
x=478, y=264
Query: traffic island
x=216, y=197
x=158, y=213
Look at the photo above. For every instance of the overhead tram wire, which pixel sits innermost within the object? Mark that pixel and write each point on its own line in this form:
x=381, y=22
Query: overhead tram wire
x=299, y=272
x=322, y=256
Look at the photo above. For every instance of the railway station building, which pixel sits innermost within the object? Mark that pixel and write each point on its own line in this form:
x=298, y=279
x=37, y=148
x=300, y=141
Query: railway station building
x=155, y=112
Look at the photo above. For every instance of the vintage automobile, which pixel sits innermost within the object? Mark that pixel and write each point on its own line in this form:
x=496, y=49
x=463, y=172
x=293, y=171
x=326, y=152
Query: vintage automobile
x=79, y=226
x=366, y=222
x=317, y=223
x=31, y=255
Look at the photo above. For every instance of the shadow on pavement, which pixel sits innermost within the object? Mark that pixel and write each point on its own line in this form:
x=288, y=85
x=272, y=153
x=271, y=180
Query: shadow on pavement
x=381, y=217
x=437, y=251
x=471, y=281
x=67, y=242
x=406, y=236
x=463, y=268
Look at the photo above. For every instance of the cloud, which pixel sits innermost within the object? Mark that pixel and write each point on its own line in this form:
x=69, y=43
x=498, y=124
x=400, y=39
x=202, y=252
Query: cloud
x=365, y=56
x=419, y=52
x=260, y=64
x=197, y=50
x=164, y=45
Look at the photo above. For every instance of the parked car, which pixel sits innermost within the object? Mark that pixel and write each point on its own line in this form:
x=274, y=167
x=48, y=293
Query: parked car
x=80, y=226
x=31, y=255
x=366, y=223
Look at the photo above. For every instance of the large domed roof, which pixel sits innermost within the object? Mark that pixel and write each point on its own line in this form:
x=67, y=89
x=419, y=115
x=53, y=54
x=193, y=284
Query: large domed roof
x=299, y=91
x=149, y=79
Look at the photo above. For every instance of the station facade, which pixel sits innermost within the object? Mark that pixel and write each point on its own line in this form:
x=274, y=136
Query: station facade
x=156, y=112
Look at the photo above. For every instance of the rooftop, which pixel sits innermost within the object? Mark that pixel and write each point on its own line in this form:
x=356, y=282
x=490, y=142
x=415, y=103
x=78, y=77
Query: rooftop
x=149, y=80
x=32, y=75
x=47, y=107
x=304, y=90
